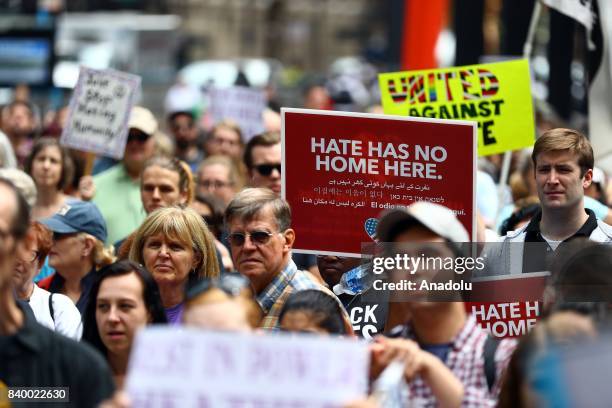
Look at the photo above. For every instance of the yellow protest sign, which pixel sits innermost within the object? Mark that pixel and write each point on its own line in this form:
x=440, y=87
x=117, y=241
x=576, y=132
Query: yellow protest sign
x=497, y=96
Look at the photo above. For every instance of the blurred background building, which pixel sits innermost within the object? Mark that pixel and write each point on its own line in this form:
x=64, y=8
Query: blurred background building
x=283, y=44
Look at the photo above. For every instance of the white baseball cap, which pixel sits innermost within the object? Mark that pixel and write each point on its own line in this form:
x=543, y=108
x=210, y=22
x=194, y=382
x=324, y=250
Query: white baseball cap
x=143, y=120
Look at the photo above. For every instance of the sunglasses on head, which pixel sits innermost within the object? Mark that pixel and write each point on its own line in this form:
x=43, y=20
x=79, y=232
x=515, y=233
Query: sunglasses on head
x=266, y=169
x=136, y=135
x=257, y=238
x=230, y=283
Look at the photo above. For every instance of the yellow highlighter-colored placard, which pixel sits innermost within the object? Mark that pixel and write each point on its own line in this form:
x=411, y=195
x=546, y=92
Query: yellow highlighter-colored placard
x=497, y=96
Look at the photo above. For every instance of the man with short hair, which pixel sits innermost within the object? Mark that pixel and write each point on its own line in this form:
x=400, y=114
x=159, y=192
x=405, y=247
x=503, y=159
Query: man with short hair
x=32, y=355
x=118, y=188
x=185, y=133
x=563, y=167
x=262, y=157
x=444, y=348
x=225, y=139
x=261, y=238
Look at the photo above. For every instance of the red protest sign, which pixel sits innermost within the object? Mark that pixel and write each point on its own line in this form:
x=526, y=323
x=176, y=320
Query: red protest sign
x=508, y=306
x=341, y=170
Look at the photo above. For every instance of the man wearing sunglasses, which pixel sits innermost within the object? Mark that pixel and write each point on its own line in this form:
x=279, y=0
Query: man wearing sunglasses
x=261, y=238
x=262, y=158
x=118, y=188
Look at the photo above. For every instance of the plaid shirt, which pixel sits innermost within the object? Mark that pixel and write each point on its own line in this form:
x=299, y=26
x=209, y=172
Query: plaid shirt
x=465, y=359
x=273, y=298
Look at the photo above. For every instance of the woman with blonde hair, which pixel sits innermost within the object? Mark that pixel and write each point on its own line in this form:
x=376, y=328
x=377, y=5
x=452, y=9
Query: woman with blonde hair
x=175, y=245
x=79, y=233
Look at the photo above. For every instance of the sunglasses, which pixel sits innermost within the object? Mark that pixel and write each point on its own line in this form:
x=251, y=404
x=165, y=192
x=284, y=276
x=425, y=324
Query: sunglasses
x=257, y=238
x=136, y=135
x=266, y=169
x=62, y=235
x=230, y=283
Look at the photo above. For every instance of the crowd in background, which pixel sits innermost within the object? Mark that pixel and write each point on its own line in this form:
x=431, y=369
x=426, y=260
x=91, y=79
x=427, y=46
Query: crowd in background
x=189, y=228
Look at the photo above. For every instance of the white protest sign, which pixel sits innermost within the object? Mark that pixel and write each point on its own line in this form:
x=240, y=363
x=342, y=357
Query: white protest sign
x=99, y=111
x=242, y=105
x=194, y=368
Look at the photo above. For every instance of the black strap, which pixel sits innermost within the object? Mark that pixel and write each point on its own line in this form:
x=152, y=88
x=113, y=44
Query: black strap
x=51, y=307
x=490, y=347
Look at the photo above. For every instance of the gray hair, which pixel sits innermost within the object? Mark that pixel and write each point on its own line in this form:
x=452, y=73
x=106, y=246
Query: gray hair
x=23, y=182
x=251, y=201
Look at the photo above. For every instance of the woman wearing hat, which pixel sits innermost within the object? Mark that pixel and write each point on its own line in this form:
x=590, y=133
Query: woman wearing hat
x=79, y=232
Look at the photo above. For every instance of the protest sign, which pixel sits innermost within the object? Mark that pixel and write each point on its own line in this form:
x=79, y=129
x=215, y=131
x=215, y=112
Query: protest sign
x=508, y=306
x=195, y=368
x=497, y=95
x=99, y=112
x=341, y=170
x=242, y=105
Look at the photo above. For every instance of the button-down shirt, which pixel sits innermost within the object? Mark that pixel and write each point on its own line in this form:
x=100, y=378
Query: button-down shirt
x=466, y=360
x=273, y=297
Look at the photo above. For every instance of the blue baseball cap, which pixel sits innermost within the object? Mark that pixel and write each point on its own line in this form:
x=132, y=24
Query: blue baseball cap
x=78, y=216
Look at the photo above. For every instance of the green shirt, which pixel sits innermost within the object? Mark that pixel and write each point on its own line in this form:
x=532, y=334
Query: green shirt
x=118, y=198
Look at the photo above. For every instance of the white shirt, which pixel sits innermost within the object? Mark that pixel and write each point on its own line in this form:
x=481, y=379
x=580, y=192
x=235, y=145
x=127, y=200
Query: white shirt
x=67, y=316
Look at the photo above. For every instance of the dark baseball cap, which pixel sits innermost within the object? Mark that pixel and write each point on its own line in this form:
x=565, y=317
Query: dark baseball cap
x=78, y=216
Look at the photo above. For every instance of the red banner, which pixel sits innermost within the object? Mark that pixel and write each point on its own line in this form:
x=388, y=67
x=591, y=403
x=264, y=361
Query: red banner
x=513, y=304
x=341, y=170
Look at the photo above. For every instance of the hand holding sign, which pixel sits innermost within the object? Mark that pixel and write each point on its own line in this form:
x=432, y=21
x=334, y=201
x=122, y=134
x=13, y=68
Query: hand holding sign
x=99, y=112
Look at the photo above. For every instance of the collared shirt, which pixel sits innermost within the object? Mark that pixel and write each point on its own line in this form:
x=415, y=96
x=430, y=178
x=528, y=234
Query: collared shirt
x=37, y=357
x=118, y=198
x=465, y=359
x=55, y=284
x=273, y=297
x=536, y=249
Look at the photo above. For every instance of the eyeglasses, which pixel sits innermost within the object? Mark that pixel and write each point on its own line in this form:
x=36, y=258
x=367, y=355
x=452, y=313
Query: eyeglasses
x=230, y=283
x=266, y=169
x=214, y=184
x=31, y=257
x=137, y=135
x=257, y=238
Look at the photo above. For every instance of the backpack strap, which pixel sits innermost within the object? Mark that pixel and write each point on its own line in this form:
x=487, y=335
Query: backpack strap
x=490, y=347
x=51, y=307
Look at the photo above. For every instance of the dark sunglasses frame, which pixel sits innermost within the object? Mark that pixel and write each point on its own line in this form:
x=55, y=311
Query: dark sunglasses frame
x=138, y=136
x=230, y=283
x=257, y=237
x=266, y=169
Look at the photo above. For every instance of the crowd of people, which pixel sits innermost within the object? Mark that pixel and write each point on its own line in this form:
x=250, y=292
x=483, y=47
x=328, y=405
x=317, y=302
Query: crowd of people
x=190, y=229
